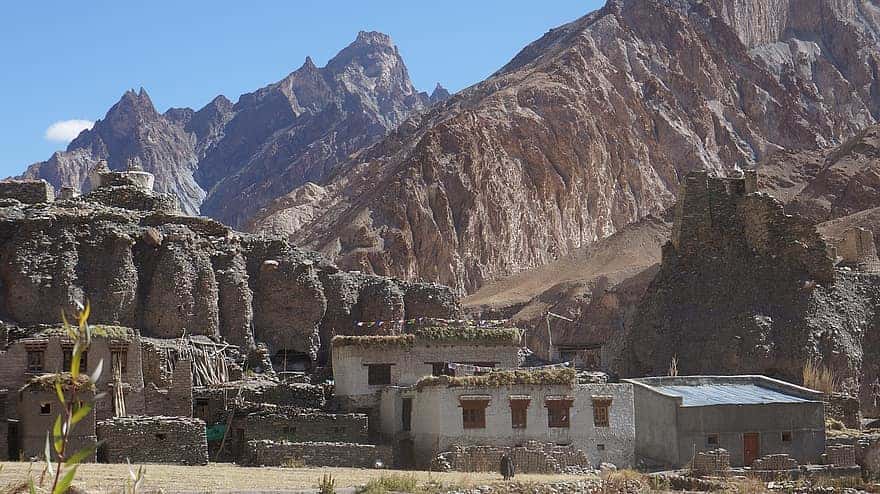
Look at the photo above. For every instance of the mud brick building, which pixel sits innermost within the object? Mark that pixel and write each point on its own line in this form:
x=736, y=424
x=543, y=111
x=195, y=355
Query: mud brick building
x=364, y=365
x=37, y=408
x=749, y=416
x=179, y=440
x=510, y=409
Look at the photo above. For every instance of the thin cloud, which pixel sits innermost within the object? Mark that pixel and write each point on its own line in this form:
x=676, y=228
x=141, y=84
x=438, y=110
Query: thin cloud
x=67, y=130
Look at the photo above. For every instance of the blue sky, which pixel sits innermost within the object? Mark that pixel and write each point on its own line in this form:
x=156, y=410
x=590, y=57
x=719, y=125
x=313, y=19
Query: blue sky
x=62, y=60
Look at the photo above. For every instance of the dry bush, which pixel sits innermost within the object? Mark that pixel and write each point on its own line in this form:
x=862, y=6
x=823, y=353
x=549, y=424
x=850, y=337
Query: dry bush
x=390, y=483
x=820, y=378
x=747, y=485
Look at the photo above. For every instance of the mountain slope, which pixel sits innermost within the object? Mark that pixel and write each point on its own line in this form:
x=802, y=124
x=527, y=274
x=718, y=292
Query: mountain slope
x=227, y=160
x=589, y=129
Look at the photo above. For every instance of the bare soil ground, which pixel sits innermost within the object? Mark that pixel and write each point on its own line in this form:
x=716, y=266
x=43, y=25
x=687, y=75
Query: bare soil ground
x=219, y=477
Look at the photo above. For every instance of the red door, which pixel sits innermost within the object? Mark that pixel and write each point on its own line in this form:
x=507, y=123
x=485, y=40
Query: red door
x=751, y=447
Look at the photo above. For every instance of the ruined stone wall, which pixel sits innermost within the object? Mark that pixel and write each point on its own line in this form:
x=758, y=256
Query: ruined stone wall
x=712, y=463
x=177, y=399
x=857, y=248
x=295, y=425
x=840, y=455
x=317, y=454
x=533, y=457
x=175, y=440
x=27, y=191
x=844, y=408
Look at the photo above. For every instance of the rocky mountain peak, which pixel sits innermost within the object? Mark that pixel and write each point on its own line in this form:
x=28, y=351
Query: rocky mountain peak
x=439, y=94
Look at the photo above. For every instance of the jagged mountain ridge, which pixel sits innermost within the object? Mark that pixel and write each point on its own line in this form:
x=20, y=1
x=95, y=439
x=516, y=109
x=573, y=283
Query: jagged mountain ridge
x=589, y=129
x=226, y=160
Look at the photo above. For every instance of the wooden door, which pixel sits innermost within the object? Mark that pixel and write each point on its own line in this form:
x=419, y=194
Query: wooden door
x=751, y=447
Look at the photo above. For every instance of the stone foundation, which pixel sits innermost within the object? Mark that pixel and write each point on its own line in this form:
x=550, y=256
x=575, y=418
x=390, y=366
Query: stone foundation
x=27, y=191
x=178, y=440
x=317, y=454
x=534, y=457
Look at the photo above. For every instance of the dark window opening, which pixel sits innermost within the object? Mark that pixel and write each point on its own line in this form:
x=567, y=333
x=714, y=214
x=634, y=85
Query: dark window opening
x=201, y=408
x=786, y=437
x=35, y=360
x=519, y=413
x=289, y=430
x=379, y=374
x=67, y=358
x=441, y=369
x=601, y=412
x=712, y=439
x=473, y=414
x=291, y=361
x=558, y=413
x=45, y=408
x=600, y=447
x=161, y=436
x=406, y=411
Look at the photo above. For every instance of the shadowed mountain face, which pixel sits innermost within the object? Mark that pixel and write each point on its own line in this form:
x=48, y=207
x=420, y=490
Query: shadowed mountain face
x=228, y=160
x=589, y=129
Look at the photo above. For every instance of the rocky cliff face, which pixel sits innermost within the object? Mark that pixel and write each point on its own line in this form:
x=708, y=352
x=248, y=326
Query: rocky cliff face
x=143, y=265
x=228, y=160
x=589, y=129
x=745, y=288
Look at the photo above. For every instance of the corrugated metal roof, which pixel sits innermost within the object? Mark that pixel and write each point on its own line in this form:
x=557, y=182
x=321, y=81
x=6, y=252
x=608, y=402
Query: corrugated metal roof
x=727, y=394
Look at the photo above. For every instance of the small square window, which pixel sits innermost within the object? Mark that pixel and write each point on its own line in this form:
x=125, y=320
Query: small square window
x=45, y=408
x=600, y=447
x=379, y=374
x=786, y=437
x=160, y=436
x=35, y=360
x=712, y=439
x=601, y=412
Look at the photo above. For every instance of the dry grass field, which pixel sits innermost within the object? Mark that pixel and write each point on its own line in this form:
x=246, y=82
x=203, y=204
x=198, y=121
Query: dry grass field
x=228, y=477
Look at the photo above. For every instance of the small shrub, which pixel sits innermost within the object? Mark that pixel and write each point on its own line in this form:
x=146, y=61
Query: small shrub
x=390, y=483
x=821, y=378
x=327, y=485
x=293, y=463
x=673, y=367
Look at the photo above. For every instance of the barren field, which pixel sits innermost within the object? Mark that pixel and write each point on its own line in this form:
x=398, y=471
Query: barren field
x=228, y=477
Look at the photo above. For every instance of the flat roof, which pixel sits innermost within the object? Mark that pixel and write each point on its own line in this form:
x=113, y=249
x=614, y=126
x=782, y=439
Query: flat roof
x=727, y=394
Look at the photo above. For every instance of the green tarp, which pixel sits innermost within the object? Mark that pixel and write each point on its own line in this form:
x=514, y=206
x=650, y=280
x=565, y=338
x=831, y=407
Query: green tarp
x=215, y=432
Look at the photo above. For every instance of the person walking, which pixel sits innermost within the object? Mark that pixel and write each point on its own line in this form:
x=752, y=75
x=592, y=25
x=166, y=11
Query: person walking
x=507, y=468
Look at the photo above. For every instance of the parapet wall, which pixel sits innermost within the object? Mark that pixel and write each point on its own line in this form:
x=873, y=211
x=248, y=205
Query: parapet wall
x=27, y=191
x=178, y=440
x=317, y=454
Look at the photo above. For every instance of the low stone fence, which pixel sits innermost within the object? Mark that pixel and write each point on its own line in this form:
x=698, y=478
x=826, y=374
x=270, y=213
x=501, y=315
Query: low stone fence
x=534, y=457
x=179, y=440
x=27, y=191
x=296, y=425
x=775, y=462
x=317, y=454
x=715, y=463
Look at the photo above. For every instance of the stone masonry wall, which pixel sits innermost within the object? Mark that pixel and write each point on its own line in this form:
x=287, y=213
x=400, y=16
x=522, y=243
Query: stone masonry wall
x=712, y=463
x=840, y=456
x=305, y=425
x=177, y=399
x=845, y=409
x=176, y=440
x=27, y=191
x=533, y=457
x=318, y=454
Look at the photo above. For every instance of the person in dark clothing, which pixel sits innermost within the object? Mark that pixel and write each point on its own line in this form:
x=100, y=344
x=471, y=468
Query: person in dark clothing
x=507, y=468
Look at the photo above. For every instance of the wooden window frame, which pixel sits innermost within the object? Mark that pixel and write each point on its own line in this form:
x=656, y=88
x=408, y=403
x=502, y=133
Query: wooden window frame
x=713, y=440
x=559, y=413
x=67, y=359
x=32, y=366
x=519, y=413
x=373, y=380
x=787, y=436
x=473, y=413
x=602, y=411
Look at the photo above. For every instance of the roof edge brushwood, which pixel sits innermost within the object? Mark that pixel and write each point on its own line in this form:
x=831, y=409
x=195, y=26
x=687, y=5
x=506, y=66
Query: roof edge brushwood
x=543, y=377
x=437, y=335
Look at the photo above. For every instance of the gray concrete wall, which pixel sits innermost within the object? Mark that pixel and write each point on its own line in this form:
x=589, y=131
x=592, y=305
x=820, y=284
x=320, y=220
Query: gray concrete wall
x=437, y=421
x=656, y=426
x=805, y=422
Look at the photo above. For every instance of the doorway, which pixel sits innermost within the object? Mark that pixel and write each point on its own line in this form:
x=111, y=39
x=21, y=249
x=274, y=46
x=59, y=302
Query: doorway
x=406, y=410
x=14, y=450
x=751, y=447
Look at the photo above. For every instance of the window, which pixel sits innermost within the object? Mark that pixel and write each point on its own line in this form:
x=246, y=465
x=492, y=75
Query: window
x=600, y=447
x=119, y=360
x=35, y=360
x=45, y=408
x=160, y=436
x=289, y=430
x=441, y=369
x=379, y=374
x=68, y=358
x=786, y=437
x=519, y=411
x=558, y=412
x=201, y=408
x=473, y=412
x=601, y=408
x=712, y=439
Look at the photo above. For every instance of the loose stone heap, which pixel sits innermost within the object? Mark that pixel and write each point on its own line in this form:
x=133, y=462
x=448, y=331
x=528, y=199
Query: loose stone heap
x=179, y=440
x=775, y=462
x=533, y=457
x=712, y=463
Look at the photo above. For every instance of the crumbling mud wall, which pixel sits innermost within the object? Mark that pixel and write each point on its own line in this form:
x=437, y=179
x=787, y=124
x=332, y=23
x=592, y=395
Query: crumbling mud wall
x=177, y=440
x=143, y=265
x=316, y=454
x=745, y=288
